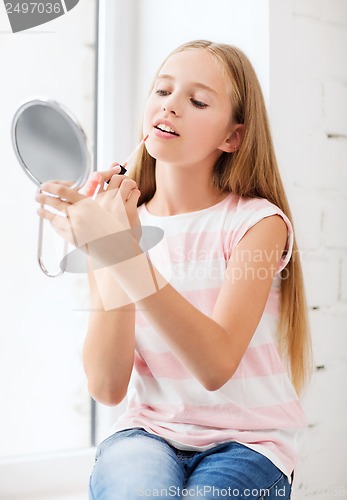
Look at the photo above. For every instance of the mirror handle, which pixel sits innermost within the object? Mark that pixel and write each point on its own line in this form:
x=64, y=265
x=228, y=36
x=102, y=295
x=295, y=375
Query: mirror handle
x=39, y=253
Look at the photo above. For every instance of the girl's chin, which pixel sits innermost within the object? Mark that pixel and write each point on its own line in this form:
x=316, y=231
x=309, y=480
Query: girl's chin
x=159, y=154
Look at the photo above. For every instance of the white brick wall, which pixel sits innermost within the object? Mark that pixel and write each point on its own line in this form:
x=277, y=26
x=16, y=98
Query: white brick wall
x=315, y=166
x=322, y=275
x=343, y=281
x=335, y=107
x=319, y=162
x=334, y=220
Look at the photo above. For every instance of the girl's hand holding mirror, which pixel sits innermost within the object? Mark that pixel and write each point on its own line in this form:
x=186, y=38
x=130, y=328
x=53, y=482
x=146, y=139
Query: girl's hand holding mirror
x=82, y=219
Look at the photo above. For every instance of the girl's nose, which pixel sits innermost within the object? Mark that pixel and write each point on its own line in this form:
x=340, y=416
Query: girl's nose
x=166, y=108
x=171, y=105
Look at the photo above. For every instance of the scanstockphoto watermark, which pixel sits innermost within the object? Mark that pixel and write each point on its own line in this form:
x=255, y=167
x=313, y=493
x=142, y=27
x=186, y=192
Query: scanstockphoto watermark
x=25, y=15
x=206, y=263
x=259, y=264
x=330, y=491
x=210, y=491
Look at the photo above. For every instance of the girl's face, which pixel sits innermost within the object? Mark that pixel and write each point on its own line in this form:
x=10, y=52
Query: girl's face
x=188, y=113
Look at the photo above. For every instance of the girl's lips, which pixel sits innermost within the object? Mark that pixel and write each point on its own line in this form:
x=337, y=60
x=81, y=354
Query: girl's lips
x=164, y=135
x=162, y=123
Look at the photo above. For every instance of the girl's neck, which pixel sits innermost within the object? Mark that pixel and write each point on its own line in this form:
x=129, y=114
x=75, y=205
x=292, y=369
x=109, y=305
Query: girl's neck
x=183, y=189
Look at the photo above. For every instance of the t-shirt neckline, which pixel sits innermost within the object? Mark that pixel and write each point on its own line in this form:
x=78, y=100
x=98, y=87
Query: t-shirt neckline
x=186, y=214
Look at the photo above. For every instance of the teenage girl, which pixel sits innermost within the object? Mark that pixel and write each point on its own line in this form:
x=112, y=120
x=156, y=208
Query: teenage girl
x=210, y=343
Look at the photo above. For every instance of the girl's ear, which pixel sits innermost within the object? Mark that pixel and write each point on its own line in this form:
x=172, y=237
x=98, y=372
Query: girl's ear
x=233, y=142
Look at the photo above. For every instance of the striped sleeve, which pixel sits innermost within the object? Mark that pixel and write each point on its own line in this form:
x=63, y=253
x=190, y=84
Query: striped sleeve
x=249, y=212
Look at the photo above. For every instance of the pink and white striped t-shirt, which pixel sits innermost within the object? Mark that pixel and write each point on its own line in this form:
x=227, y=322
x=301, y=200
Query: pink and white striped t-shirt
x=258, y=406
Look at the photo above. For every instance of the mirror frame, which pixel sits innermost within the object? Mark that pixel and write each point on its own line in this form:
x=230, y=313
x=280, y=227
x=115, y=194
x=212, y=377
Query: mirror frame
x=82, y=138
x=84, y=145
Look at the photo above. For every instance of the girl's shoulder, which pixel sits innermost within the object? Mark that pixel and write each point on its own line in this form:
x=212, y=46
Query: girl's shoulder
x=240, y=210
x=245, y=213
x=252, y=210
x=248, y=204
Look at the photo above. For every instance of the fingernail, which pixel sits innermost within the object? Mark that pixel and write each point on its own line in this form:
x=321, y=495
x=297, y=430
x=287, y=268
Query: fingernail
x=117, y=168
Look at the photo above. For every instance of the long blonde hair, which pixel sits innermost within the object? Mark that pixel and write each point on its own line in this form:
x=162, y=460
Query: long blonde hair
x=252, y=171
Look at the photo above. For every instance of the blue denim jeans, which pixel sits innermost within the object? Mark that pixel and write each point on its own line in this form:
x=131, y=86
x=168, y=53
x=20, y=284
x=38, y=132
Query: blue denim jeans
x=134, y=464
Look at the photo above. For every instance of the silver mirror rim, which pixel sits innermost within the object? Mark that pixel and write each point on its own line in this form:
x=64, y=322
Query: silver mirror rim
x=46, y=101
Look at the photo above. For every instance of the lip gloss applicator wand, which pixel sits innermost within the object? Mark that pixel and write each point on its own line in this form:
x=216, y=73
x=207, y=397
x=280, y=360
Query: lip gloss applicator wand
x=132, y=153
x=94, y=184
x=125, y=164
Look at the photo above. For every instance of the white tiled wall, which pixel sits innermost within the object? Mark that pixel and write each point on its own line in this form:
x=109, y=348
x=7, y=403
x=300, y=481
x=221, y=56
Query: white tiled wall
x=314, y=161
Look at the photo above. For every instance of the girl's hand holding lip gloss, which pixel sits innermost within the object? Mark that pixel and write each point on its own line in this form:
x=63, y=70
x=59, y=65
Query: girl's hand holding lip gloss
x=97, y=181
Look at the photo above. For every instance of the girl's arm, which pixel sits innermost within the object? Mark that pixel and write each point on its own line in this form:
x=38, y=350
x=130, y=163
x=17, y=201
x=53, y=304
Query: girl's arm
x=212, y=348
x=109, y=346
x=108, y=353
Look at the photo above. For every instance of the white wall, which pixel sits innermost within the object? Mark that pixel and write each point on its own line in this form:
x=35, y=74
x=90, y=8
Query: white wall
x=135, y=38
x=308, y=108
x=45, y=405
x=160, y=30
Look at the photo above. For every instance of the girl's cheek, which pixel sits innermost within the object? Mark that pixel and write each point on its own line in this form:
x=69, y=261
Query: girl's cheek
x=153, y=102
x=147, y=112
x=151, y=149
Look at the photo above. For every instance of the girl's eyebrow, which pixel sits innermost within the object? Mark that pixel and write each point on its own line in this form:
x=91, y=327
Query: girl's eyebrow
x=194, y=84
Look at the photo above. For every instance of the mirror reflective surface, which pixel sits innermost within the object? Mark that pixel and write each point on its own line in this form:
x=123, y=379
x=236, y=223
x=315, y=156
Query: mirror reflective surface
x=50, y=144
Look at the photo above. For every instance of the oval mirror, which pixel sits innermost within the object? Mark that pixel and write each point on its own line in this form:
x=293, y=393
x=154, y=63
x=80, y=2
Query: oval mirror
x=50, y=144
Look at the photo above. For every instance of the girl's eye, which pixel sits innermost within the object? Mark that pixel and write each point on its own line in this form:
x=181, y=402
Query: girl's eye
x=162, y=92
x=198, y=104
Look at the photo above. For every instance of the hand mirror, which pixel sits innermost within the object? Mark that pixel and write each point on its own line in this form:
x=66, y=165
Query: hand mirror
x=50, y=145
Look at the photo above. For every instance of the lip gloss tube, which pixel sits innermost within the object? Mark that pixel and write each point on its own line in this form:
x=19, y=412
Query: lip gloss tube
x=122, y=167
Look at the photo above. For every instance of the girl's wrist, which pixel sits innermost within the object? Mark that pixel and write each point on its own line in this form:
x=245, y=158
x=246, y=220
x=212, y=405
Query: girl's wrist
x=128, y=282
x=113, y=249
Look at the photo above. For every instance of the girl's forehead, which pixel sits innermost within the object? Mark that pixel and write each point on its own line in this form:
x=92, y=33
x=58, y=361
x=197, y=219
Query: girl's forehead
x=195, y=65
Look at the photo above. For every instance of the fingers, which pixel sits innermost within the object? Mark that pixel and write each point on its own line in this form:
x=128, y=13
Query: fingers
x=97, y=181
x=133, y=198
x=107, y=174
x=61, y=190
x=65, y=183
x=56, y=203
x=126, y=189
x=58, y=195
x=124, y=184
x=45, y=214
x=115, y=198
x=58, y=222
x=114, y=165
x=115, y=181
